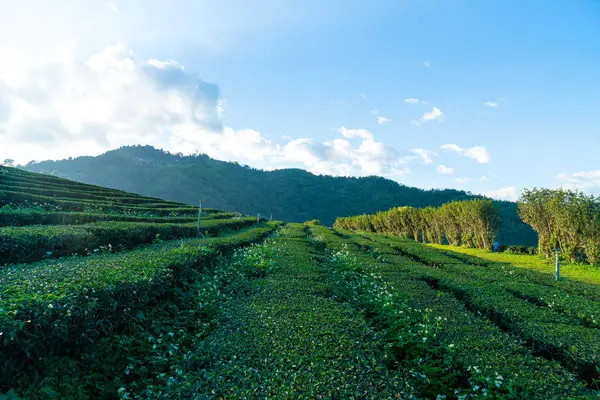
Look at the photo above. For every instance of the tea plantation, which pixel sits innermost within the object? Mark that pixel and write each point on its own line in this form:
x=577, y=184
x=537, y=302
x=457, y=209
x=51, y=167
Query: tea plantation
x=111, y=295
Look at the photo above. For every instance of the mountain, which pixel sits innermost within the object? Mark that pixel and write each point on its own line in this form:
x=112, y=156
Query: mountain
x=287, y=194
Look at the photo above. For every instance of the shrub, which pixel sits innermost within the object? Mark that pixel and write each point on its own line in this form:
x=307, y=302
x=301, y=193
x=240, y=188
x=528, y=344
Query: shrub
x=313, y=222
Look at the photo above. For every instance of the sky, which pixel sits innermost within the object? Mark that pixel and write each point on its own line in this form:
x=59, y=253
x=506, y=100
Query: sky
x=480, y=95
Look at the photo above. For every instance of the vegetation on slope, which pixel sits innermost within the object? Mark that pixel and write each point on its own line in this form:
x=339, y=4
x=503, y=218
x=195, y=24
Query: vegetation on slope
x=460, y=354
x=310, y=312
x=291, y=340
x=289, y=194
x=36, y=242
x=564, y=331
x=57, y=315
x=522, y=263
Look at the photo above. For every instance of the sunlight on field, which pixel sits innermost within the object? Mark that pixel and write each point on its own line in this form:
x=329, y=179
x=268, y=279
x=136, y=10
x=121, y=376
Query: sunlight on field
x=578, y=272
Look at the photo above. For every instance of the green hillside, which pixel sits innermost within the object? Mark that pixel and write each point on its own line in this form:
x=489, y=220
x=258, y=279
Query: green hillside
x=81, y=263
x=106, y=294
x=289, y=194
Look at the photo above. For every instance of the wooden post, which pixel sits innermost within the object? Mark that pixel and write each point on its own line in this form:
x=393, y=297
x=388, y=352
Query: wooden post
x=199, y=212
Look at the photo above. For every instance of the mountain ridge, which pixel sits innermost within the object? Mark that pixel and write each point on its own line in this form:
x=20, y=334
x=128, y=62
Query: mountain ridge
x=293, y=194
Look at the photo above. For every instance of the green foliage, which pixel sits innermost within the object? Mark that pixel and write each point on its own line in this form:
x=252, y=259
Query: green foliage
x=472, y=223
x=59, y=308
x=564, y=219
x=77, y=193
x=579, y=278
x=512, y=249
x=49, y=202
x=10, y=216
x=289, y=194
x=313, y=222
x=35, y=242
x=487, y=361
x=291, y=340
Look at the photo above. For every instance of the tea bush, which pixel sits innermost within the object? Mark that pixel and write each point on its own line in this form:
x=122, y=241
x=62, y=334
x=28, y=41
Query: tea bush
x=35, y=242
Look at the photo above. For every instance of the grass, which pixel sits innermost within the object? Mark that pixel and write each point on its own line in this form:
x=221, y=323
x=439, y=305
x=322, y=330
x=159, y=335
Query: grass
x=577, y=272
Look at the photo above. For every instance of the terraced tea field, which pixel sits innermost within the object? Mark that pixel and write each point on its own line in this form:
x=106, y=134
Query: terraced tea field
x=107, y=294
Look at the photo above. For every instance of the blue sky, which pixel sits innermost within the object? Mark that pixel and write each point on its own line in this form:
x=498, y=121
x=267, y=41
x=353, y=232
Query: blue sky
x=485, y=96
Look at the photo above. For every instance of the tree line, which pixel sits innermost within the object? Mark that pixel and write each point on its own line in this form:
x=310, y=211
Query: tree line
x=563, y=219
x=471, y=223
x=292, y=195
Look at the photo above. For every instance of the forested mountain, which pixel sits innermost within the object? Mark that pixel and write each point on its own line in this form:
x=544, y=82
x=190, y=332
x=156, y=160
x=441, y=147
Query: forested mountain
x=287, y=194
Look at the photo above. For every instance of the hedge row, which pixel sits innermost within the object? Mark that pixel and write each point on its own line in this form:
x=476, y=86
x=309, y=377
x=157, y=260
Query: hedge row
x=18, y=176
x=494, y=271
x=23, y=217
x=72, y=186
x=74, y=190
x=575, y=299
x=63, y=193
x=100, y=201
x=472, y=223
x=36, y=242
x=295, y=342
x=11, y=197
x=488, y=361
x=57, y=308
x=551, y=331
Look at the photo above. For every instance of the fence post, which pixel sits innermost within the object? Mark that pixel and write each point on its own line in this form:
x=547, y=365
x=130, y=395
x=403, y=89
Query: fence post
x=199, y=212
x=557, y=272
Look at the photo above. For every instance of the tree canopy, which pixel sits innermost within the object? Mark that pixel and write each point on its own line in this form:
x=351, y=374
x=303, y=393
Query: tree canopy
x=471, y=223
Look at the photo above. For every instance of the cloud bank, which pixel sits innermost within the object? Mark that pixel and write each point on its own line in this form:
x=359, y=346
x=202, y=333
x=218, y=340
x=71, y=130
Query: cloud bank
x=508, y=193
x=477, y=153
x=584, y=180
x=59, y=106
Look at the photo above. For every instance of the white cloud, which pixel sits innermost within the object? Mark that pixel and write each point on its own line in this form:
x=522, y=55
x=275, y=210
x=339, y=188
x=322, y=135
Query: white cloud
x=340, y=157
x=478, y=153
x=442, y=169
x=483, y=179
x=434, y=115
x=425, y=155
x=584, y=180
x=364, y=96
x=351, y=133
x=427, y=64
x=508, y=193
x=383, y=120
x=414, y=100
x=374, y=112
x=164, y=64
x=57, y=107
x=112, y=6
x=493, y=104
x=462, y=180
